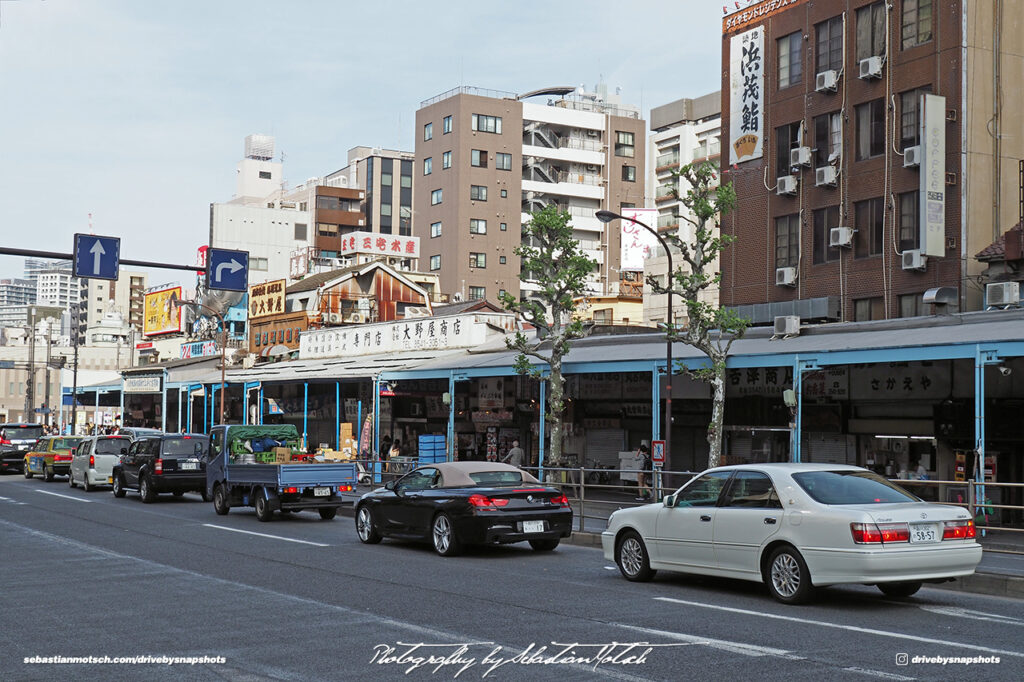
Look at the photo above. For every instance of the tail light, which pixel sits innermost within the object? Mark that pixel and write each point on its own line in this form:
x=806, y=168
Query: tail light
x=875, y=534
x=561, y=501
x=344, y=488
x=290, y=490
x=958, y=530
x=92, y=461
x=5, y=441
x=158, y=466
x=62, y=458
x=484, y=502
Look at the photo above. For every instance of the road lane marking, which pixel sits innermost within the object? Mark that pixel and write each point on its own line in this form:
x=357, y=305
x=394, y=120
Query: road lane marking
x=66, y=497
x=264, y=535
x=974, y=615
x=851, y=628
x=877, y=673
x=723, y=644
x=7, y=499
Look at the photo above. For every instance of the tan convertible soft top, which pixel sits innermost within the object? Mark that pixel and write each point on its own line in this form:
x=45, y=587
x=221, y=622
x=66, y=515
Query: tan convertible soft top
x=458, y=473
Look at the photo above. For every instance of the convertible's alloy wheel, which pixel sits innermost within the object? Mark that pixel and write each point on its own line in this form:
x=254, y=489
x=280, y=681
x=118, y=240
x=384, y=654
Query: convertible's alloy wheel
x=442, y=534
x=363, y=524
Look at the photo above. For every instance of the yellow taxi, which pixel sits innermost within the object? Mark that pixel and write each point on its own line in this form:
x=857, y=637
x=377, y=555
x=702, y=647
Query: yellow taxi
x=51, y=456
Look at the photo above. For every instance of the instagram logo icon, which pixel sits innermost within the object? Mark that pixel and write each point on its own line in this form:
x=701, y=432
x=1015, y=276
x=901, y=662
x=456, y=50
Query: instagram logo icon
x=901, y=659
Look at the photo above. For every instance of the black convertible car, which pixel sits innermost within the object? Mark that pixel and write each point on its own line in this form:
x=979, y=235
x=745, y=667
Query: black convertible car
x=465, y=503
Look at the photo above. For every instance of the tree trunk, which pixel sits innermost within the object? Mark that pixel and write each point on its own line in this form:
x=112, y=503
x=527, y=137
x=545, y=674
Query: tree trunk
x=556, y=408
x=717, y=418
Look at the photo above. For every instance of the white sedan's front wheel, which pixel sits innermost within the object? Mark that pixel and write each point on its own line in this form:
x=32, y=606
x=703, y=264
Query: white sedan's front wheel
x=787, y=576
x=632, y=558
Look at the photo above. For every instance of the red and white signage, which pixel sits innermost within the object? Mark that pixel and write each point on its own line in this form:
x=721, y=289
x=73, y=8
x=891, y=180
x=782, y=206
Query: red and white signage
x=380, y=244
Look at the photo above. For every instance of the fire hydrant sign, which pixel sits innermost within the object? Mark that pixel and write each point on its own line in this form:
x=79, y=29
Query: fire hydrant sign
x=658, y=452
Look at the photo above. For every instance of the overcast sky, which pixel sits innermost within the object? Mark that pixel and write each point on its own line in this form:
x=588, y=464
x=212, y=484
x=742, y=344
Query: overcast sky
x=137, y=111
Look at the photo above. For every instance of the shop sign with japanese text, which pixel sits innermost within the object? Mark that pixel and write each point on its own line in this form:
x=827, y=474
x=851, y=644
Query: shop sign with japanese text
x=266, y=299
x=746, y=96
x=380, y=244
x=900, y=381
x=198, y=349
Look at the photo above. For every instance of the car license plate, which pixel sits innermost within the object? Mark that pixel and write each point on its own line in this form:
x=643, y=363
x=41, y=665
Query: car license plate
x=923, y=533
x=189, y=466
x=321, y=492
x=533, y=526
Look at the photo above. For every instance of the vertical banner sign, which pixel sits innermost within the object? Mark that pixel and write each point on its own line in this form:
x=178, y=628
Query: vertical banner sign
x=746, y=96
x=637, y=243
x=933, y=175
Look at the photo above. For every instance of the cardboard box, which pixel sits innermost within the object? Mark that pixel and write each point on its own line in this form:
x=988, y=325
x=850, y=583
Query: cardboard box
x=282, y=455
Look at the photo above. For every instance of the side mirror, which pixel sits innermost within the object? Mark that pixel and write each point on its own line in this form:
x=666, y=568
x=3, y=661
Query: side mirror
x=390, y=485
x=669, y=500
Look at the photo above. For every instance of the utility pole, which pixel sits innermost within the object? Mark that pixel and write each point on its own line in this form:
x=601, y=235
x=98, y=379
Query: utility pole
x=74, y=389
x=49, y=345
x=30, y=384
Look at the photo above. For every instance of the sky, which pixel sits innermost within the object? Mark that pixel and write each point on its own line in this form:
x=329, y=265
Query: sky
x=136, y=111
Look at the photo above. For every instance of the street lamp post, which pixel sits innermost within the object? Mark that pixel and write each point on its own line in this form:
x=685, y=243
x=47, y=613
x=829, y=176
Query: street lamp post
x=176, y=303
x=607, y=217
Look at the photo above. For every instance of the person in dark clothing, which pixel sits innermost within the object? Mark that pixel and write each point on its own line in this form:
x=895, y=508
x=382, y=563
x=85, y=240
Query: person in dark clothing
x=643, y=477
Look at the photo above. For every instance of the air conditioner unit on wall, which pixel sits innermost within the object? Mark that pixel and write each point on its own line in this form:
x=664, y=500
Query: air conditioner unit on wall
x=871, y=67
x=801, y=156
x=840, y=236
x=827, y=81
x=1002, y=294
x=825, y=176
x=912, y=157
x=787, y=185
x=914, y=260
x=356, y=318
x=787, y=325
x=785, y=277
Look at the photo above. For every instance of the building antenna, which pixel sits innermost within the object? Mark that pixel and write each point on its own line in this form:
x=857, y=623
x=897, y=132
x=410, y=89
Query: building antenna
x=90, y=225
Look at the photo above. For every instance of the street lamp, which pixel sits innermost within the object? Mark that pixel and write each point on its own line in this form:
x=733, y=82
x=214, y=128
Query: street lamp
x=607, y=217
x=175, y=303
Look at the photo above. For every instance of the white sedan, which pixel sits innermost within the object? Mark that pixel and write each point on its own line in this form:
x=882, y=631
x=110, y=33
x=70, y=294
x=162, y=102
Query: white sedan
x=795, y=527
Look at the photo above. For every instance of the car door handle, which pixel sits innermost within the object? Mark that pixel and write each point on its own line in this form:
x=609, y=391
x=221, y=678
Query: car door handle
x=770, y=520
x=705, y=517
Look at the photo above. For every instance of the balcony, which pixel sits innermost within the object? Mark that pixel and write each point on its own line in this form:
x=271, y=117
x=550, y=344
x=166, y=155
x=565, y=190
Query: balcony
x=579, y=178
x=665, y=193
x=668, y=221
x=667, y=160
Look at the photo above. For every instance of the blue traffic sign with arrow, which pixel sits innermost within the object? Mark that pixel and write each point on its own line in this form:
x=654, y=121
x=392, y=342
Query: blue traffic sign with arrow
x=97, y=257
x=227, y=270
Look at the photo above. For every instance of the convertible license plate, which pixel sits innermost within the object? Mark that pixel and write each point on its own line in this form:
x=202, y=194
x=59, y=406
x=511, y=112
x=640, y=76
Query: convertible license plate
x=923, y=533
x=321, y=492
x=533, y=526
x=189, y=466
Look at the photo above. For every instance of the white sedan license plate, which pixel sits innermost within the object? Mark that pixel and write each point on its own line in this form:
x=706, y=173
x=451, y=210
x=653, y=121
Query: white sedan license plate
x=923, y=533
x=321, y=492
x=533, y=526
x=189, y=466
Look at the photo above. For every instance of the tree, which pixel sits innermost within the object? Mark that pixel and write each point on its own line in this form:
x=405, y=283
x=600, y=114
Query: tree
x=552, y=259
x=710, y=328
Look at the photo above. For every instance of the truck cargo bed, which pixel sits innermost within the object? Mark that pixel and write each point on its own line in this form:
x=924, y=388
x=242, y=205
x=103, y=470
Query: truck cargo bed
x=299, y=475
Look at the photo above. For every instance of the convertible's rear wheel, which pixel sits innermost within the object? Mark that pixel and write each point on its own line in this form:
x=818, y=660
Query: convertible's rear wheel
x=443, y=534
x=787, y=577
x=905, y=589
x=631, y=556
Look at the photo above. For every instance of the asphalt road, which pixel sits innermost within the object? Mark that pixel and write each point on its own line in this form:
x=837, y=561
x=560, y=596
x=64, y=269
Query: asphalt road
x=298, y=598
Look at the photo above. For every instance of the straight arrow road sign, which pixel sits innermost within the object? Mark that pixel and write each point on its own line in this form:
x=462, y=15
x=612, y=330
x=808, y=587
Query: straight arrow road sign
x=227, y=270
x=97, y=257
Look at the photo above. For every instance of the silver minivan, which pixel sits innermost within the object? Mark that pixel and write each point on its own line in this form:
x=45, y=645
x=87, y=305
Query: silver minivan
x=94, y=460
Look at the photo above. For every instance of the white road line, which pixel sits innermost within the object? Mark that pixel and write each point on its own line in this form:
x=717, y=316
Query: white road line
x=7, y=499
x=66, y=497
x=723, y=644
x=974, y=615
x=851, y=628
x=264, y=535
x=877, y=673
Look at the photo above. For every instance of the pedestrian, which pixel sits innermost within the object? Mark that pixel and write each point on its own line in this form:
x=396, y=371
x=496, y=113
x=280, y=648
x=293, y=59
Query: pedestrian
x=514, y=456
x=643, y=483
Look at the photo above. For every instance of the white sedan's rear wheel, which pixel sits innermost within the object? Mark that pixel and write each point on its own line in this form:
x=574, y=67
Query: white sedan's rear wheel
x=787, y=576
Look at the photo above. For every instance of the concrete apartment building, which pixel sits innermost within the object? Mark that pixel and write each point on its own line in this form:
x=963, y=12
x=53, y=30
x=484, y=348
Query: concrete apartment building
x=126, y=296
x=485, y=159
x=874, y=150
x=683, y=132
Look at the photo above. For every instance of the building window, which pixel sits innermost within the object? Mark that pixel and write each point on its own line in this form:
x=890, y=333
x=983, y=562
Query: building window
x=300, y=231
x=428, y=132
x=385, y=179
x=428, y=165
x=436, y=197
x=787, y=241
x=868, y=217
x=867, y=309
x=385, y=209
x=264, y=175
x=910, y=217
x=446, y=125
x=504, y=194
x=503, y=226
x=787, y=137
x=503, y=161
x=446, y=160
x=478, y=158
x=790, y=66
x=477, y=293
x=824, y=220
x=477, y=226
x=828, y=139
x=260, y=264
x=917, y=22
x=629, y=173
x=911, y=305
x=830, y=44
x=326, y=230
x=405, y=181
x=435, y=262
x=624, y=144
x=910, y=116
x=478, y=260
x=435, y=229
x=478, y=193
x=487, y=124
x=502, y=260
x=870, y=129
x=871, y=31
x=336, y=204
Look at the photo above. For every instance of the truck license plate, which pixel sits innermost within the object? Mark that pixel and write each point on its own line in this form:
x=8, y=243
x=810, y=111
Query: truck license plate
x=533, y=526
x=923, y=533
x=189, y=466
x=321, y=492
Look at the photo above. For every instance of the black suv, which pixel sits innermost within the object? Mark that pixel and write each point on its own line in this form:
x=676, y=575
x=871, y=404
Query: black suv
x=165, y=463
x=15, y=440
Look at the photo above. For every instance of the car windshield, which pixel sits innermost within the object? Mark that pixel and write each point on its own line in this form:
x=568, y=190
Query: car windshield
x=23, y=432
x=497, y=477
x=851, y=487
x=184, y=446
x=111, y=446
x=66, y=443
